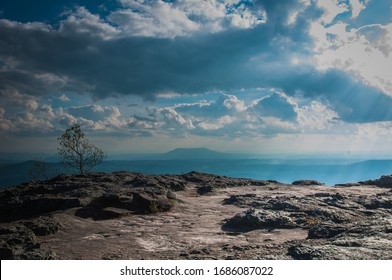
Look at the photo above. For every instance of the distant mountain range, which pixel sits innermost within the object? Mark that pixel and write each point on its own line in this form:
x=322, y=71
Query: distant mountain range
x=196, y=153
x=329, y=171
x=176, y=154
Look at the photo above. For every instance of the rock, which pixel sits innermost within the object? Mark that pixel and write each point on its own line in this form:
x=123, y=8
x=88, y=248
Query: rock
x=348, y=185
x=240, y=200
x=283, y=204
x=92, y=193
x=19, y=242
x=30, y=206
x=206, y=188
x=320, y=223
x=147, y=203
x=42, y=226
x=325, y=231
x=222, y=181
x=307, y=183
x=327, y=214
x=383, y=182
x=303, y=252
x=373, y=202
x=258, y=219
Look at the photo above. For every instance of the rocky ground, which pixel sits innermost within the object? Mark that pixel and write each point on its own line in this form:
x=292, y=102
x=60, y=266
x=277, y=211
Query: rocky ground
x=126, y=215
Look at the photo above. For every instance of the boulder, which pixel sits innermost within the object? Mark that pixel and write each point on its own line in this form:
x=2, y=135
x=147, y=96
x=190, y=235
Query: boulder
x=325, y=231
x=19, y=242
x=383, y=182
x=258, y=219
x=307, y=183
x=42, y=226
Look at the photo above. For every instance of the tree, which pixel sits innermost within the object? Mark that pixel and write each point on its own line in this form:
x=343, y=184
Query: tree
x=77, y=152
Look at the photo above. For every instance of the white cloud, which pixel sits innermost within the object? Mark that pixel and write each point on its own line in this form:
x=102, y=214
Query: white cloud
x=180, y=18
x=331, y=8
x=357, y=6
x=217, y=124
x=13, y=98
x=232, y=102
x=168, y=95
x=173, y=120
x=363, y=51
x=29, y=121
x=66, y=119
x=81, y=21
x=96, y=117
x=316, y=117
x=159, y=19
x=64, y=98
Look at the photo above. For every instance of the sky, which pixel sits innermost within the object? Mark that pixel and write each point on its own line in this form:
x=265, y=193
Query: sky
x=262, y=77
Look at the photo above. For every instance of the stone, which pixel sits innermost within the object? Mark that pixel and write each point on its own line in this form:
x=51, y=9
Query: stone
x=307, y=183
x=325, y=231
x=42, y=226
x=258, y=219
x=383, y=182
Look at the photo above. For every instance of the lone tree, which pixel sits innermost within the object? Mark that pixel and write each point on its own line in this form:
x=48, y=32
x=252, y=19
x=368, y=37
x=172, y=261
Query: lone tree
x=77, y=152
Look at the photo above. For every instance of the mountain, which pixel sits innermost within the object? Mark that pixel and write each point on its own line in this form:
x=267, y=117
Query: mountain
x=181, y=161
x=195, y=153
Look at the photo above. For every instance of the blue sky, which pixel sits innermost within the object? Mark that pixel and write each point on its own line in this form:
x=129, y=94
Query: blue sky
x=286, y=77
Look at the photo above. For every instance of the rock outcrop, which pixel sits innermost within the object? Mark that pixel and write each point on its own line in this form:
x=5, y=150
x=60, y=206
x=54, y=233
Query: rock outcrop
x=382, y=182
x=125, y=215
x=307, y=183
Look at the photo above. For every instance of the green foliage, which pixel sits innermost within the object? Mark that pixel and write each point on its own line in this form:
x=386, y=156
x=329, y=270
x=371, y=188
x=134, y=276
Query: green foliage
x=76, y=151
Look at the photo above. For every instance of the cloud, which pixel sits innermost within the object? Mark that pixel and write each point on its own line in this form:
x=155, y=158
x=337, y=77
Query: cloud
x=331, y=9
x=231, y=117
x=364, y=52
x=97, y=117
x=82, y=22
x=14, y=99
x=5, y=124
x=225, y=104
x=86, y=54
x=172, y=120
x=357, y=6
x=276, y=105
x=316, y=117
x=151, y=48
x=64, y=98
x=169, y=19
x=355, y=45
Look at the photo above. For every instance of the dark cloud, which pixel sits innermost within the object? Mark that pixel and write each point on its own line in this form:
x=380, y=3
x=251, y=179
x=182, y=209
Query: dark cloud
x=85, y=54
x=82, y=50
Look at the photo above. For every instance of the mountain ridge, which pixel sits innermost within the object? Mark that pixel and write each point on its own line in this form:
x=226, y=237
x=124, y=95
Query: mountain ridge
x=195, y=153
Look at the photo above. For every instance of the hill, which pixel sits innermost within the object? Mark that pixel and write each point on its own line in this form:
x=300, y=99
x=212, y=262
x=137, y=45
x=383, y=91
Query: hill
x=194, y=154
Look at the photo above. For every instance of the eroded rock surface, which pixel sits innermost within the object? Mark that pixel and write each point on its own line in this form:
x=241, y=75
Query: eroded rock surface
x=126, y=215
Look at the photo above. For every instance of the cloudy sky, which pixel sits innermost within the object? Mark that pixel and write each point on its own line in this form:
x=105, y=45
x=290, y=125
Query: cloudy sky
x=268, y=76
